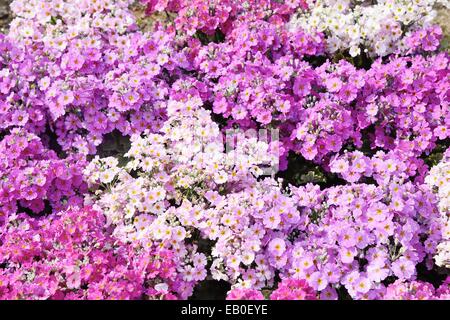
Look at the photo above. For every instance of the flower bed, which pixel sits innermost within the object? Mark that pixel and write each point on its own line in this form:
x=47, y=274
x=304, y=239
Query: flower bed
x=288, y=149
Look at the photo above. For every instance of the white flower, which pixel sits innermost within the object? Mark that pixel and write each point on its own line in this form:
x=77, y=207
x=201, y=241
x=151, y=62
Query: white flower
x=377, y=26
x=248, y=257
x=220, y=177
x=162, y=287
x=354, y=51
x=107, y=176
x=438, y=180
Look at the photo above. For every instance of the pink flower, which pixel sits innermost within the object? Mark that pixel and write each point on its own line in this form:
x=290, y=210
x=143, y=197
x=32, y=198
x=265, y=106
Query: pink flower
x=328, y=294
x=277, y=246
x=292, y=289
x=362, y=285
x=442, y=132
x=347, y=254
x=244, y=294
x=272, y=220
x=339, y=166
x=318, y=281
x=65, y=98
x=403, y=268
x=73, y=281
x=333, y=84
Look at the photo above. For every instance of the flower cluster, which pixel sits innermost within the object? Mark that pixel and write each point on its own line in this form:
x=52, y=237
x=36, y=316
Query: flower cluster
x=417, y=290
x=72, y=255
x=248, y=227
x=358, y=235
x=377, y=27
x=382, y=167
x=288, y=289
x=244, y=294
x=439, y=179
x=82, y=69
x=293, y=289
x=254, y=70
x=257, y=82
x=352, y=236
x=32, y=177
x=174, y=170
x=407, y=96
x=209, y=16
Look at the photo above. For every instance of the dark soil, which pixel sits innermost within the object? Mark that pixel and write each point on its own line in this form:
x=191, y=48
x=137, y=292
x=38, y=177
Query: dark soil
x=5, y=15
